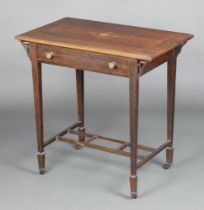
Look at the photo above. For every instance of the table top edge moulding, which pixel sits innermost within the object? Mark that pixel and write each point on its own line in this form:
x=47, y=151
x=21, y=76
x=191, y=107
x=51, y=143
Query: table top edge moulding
x=107, y=38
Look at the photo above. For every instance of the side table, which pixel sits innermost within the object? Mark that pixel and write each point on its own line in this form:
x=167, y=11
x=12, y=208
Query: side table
x=117, y=50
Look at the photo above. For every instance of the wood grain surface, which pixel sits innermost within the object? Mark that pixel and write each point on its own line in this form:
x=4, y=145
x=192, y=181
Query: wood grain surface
x=108, y=38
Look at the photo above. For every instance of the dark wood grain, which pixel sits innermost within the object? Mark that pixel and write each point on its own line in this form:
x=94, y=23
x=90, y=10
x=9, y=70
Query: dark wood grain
x=156, y=62
x=38, y=101
x=112, y=39
x=80, y=59
x=171, y=89
x=87, y=45
x=80, y=102
x=134, y=106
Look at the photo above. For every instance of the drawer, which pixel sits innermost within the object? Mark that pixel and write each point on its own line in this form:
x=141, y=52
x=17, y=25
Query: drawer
x=79, y=59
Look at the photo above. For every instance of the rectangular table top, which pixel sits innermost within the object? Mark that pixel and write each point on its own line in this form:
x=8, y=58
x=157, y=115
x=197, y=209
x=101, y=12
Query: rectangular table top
x=114, y=39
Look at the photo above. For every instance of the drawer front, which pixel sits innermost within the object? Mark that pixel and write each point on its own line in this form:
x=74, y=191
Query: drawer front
x=84, y=60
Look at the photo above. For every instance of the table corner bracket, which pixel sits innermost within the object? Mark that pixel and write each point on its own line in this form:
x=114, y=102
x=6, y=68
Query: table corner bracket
x=141, y=65
x=179, y=48
x=26, y=47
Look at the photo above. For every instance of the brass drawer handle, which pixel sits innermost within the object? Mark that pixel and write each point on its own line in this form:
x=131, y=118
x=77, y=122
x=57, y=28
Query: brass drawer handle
x=49, y=55
x=112, y=65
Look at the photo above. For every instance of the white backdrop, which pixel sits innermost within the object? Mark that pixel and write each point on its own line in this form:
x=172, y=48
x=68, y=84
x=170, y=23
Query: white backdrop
x=106, y=113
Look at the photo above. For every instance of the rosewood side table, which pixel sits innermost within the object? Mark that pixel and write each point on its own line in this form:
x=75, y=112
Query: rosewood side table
x=117, y=50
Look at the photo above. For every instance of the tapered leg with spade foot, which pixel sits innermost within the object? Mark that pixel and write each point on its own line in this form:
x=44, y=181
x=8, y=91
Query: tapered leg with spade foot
x=134, y=103
x=38, y=101
x=80, y=104
x=171, y=86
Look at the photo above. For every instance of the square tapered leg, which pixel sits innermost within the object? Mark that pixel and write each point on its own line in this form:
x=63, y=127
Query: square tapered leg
x=80, y=104
x=38, y=101
x=134, y=103
x=171, y=86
